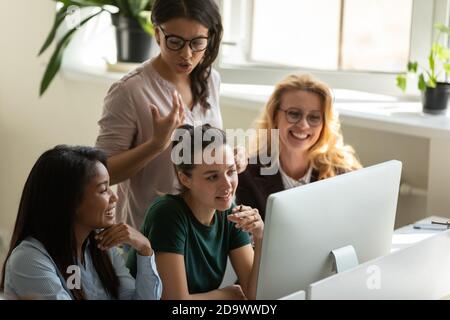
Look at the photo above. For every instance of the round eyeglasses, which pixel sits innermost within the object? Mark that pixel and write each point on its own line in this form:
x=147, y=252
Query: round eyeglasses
x=295, y=115
x=176, y=43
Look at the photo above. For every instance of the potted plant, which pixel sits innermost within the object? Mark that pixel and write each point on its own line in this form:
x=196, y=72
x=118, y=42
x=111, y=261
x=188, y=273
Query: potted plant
x=134, y=31
x=432, y=79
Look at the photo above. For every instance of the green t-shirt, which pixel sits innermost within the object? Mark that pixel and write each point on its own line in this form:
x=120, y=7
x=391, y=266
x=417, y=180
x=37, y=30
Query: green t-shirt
x=171, y=227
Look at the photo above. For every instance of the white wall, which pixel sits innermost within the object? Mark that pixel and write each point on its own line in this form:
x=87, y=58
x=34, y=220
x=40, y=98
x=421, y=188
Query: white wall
x=28, y=124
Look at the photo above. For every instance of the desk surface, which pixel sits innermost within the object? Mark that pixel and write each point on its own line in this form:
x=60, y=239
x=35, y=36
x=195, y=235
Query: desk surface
x=420, y=271
x=407, y=235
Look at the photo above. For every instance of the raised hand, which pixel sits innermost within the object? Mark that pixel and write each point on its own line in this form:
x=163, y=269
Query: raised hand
x=163, y=127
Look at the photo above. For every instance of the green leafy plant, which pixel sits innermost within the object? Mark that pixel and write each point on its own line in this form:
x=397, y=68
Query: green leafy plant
x=438, y=62
x=136, y=9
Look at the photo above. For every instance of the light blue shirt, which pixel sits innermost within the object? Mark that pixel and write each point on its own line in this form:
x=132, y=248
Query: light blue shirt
x=31, y=272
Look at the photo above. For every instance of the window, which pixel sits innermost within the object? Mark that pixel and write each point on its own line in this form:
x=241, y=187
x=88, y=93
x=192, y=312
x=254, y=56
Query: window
x=297, y=33
x=348, y=35
x=376, y=35
x=353, y=44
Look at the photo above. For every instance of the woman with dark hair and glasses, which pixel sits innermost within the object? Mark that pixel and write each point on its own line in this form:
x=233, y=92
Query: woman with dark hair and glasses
x=311, y=146
x=58, y=249
x=143, y=108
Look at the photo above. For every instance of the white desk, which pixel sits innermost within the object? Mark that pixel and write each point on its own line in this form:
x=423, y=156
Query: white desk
x=415, y=269
x=407, y=235
x=401, y=238
x=419, y=271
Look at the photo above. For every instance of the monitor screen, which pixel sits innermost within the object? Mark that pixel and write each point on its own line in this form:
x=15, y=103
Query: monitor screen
x=304, y=224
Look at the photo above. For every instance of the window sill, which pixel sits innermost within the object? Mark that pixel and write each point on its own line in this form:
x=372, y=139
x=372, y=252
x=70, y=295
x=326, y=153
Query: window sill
x=90, y=74
x=356, y=108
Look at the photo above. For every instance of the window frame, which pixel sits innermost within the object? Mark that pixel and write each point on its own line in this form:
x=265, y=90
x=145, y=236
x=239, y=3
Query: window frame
x=425, y=14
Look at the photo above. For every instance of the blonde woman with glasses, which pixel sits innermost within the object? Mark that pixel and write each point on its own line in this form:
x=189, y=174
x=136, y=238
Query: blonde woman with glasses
x=311, y=145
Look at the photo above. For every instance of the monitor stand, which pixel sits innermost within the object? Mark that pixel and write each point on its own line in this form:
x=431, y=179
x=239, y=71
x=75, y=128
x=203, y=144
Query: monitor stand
x=344, y=258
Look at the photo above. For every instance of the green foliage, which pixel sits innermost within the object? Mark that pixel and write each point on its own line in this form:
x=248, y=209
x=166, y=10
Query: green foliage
x=136, y=9
x=438, y=63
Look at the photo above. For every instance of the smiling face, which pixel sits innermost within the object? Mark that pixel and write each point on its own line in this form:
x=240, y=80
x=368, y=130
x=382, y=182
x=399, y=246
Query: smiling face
x=97, y=208
x=185, y=60
x=300, y=136
x=213, y=186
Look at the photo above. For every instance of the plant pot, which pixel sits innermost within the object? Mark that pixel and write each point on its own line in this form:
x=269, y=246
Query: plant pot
x=434, y=100
x=133, y=43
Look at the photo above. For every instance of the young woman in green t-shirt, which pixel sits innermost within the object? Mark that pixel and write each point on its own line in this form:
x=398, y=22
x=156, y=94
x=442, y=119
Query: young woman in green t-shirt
x=193, y=233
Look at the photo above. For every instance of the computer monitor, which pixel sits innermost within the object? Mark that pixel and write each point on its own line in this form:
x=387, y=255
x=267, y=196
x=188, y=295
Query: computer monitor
x=304, y=224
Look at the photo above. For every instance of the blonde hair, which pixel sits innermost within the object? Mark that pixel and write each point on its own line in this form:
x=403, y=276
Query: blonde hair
x=329, y=155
